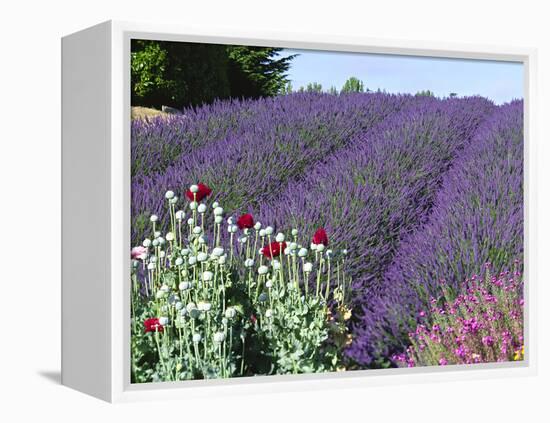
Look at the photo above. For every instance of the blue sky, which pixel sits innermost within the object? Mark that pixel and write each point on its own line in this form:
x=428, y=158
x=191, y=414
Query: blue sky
x=498, y=81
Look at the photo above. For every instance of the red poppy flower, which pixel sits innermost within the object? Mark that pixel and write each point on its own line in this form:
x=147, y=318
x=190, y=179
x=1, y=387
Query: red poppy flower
x=203, y=192
x=245, y=221
x=320, y=237
x=253, y=318
x=274, y=249
x=152, y=325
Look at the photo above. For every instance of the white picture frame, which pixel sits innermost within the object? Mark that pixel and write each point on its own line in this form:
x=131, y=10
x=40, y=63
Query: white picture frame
x=96, y=212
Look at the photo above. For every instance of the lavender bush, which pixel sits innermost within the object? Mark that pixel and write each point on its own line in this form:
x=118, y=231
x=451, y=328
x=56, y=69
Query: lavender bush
x=477, y=217
x=383, y=185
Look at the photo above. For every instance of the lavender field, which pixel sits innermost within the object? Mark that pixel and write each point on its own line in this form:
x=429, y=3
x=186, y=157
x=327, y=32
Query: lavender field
x=383, y=208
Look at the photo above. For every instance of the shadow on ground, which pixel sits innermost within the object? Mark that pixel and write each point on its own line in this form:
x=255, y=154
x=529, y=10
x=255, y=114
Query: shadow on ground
x=53, y=376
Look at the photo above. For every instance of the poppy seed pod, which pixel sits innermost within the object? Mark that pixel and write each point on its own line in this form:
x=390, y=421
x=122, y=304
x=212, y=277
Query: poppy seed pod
x=146, y=242
x=218, y=251
x=197, y=338
x=201, y=208
x=269, y=230
x=204, y=306
x=262, y=270
x=219, y=337
x=207, y=276
x=202, y=257
x=193, y=205
x=308, y=267
x=280, y=237
x=215, y=204
x=194, y=188
x=218, y=211
x=169, y=194
x=180, y=215
x=154, y=218
x=262, y=232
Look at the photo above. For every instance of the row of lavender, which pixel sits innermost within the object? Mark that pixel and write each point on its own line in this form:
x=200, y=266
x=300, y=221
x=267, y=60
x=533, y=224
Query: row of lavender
x=477, y=218
x=159, y=143
x=254, y=159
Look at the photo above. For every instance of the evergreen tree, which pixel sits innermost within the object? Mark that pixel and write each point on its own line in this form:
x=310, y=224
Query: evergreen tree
x=256, y=71
x=181, y=74
x=178, y=74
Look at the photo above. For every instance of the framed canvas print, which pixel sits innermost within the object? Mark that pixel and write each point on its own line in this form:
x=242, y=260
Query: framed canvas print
x=279, y=211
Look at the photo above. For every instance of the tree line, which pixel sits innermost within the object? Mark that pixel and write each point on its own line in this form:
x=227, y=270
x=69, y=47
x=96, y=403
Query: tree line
x=179, y=74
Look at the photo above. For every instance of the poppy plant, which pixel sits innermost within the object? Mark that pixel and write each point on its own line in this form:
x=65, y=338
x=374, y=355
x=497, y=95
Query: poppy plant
x=138, y=253
x=153, y=325
x=202, y=192
x=246, y=221
x=320, y=237
x=274, y=249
